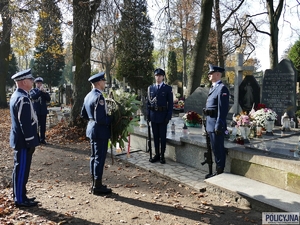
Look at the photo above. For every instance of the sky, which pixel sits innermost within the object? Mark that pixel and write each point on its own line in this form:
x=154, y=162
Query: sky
x=287, y=36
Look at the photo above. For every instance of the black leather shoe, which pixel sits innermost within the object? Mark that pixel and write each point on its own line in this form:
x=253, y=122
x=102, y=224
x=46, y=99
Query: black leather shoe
x=31, y=199
x=219, y=171
x=162, y=160
x=27, y=203
x=43, y=142
x=210, y=175
x=102, y=191
x=154, y=159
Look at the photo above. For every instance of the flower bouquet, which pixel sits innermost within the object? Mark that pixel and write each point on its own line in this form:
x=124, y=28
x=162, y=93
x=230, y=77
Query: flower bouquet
x=263, y=115
x=242, y=119
x=178, y=105
x=192, y=119
x=243, y=124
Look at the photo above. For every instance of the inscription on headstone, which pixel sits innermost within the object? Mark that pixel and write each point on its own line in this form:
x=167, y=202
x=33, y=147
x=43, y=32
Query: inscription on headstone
x=279, y=89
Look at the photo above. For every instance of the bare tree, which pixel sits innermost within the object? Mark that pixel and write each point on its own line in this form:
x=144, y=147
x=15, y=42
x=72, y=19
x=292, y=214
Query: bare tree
x=273, y=14
x=24, y=20
x=184, y=14
x=104, y=38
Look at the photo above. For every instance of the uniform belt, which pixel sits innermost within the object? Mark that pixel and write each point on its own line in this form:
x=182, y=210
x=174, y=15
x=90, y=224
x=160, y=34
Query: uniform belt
x=92, y=120
x=158, y=108
x=209, y=112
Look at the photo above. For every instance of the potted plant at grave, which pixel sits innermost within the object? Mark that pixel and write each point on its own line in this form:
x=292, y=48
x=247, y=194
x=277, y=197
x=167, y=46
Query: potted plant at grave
x=243, y=123
x=192, y=119
x=178, y=105
x=265, y=118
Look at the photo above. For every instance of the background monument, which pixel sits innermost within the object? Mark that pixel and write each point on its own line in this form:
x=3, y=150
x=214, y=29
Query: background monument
x=279, y=89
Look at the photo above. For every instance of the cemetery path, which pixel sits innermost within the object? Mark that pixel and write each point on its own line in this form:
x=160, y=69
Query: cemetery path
x=60, y=180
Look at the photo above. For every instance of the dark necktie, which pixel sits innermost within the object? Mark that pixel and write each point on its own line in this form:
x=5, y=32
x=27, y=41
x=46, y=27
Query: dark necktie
x=158, y=87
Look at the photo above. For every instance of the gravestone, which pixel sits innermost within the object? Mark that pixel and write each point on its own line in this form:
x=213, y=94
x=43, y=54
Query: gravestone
x=279, y=89
x=249, y=93
x=197, y=100
x=174, y=90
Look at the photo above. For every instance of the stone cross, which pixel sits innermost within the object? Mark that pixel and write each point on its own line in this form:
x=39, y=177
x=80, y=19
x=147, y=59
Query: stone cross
x=238, y=69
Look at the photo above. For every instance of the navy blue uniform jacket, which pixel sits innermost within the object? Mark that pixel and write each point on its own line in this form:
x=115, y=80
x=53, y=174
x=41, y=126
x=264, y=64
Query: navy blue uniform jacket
x=218, y=100
x=93, y=109
x=40, y=100
x=23, y=132
x=164, y=98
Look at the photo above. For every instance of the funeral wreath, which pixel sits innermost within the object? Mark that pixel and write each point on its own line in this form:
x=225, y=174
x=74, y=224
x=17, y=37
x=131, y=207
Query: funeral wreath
x=122, y=109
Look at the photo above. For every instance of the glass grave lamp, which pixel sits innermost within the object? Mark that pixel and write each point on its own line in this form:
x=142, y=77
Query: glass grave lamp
x=285, y=121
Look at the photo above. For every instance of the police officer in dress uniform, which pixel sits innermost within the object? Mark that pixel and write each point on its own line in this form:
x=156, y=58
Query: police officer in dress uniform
x=98, y=131
x=40, y=98
x=160, y=107
x=216, y=110
x=23, y=136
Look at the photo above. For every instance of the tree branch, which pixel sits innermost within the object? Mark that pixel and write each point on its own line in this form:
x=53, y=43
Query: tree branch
x=258, y=14
x=260, y=31
x=232, y=12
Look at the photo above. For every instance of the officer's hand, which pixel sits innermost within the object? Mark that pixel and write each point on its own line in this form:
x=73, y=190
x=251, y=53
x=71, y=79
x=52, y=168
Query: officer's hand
x=218, y=132
x=166, y=121
x=148, y=119
x=31, y=150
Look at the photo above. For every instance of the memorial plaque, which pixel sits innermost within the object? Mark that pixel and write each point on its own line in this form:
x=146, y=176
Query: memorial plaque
x=279, y=89
x=249, y=93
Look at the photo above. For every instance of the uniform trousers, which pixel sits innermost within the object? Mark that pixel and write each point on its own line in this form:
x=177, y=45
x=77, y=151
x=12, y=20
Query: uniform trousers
x=22, y=163
x=42, y=126
x=98, y=156
x=217, y=145
x=159, y=131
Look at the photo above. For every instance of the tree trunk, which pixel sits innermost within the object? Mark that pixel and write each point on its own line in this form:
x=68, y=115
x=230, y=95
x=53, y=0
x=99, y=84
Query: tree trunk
x=4, y=49
x=199, y=50
x=184, y=67
x=83, y=15
x=219, y=33
x=273, y=21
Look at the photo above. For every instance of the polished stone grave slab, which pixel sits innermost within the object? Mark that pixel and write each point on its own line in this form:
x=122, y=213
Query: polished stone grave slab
x=284, y=144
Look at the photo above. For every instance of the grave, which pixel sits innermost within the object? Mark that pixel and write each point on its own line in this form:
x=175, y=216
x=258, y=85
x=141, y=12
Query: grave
x=279, y=89
x=273, y=160
x=197, y=100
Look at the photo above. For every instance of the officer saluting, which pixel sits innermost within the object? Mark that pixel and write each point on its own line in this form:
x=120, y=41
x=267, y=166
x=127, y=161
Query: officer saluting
x=23, y=136
x=40, y=98
x=160, y=107
x=98, y=131
x=216, y=112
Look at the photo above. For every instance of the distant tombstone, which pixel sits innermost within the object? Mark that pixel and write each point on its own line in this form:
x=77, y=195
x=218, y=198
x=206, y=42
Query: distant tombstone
x=249, y=93
x=197, y=100
x=279, y=89
x=178, y=85
x=174, y=90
